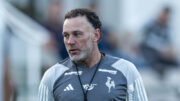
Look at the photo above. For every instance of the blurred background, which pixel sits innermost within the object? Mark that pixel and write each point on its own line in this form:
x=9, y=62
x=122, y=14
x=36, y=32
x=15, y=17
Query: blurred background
x=144, y=32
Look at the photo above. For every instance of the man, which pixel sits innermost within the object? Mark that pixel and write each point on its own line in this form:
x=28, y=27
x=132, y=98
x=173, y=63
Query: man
x=156, y=45
x=89, y=75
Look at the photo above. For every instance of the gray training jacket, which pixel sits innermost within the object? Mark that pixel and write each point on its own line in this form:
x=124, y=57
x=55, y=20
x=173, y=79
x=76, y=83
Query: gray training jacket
x=115, y=80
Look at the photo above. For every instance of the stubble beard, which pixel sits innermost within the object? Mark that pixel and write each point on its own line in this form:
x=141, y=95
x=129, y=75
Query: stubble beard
x=84, y=54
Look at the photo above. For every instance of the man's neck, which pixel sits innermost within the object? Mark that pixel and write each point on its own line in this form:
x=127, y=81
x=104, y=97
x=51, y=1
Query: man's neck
x=93, y=59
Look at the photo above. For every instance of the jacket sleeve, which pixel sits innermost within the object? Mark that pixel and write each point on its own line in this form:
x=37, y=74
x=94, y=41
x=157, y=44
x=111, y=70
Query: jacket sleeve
x=46, y=86
x=135, y=86
x=136, y=91
x=44, y=93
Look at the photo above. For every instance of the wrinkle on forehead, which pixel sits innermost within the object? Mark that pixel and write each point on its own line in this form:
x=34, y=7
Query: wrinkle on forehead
x=77, y=23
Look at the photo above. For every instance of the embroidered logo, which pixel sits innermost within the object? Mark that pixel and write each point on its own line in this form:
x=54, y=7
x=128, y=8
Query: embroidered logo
x=110, y=83
x=73, y=73
x=69, y=88
x=108, y=71
x=87, y=87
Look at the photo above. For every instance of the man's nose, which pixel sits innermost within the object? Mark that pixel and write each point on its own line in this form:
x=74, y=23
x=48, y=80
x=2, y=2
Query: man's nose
x=71, y=40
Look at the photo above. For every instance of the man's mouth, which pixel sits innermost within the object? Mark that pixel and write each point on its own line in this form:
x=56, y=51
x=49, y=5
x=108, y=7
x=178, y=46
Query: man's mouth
x=74, y=51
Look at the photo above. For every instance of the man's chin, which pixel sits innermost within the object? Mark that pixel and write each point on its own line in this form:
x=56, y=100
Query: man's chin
x=74, y=58
x=77, y=58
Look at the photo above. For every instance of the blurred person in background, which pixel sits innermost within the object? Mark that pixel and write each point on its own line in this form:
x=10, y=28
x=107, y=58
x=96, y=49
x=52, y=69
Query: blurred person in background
x=109, y=42
x=156, y=46
x=7, y=82
x=111, y=39
x=88, y=74
x=130, y=49
x=54, y=25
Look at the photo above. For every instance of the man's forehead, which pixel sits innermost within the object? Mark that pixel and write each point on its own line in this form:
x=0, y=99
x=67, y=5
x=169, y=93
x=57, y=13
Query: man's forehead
x=76, y=22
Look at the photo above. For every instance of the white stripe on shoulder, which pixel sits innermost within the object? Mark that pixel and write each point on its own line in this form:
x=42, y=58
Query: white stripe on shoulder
x=43, y=93
x=128, y=69
x=140, y=90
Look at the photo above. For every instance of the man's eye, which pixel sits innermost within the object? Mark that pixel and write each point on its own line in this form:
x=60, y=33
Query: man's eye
x=66, y=35
x=77, y=34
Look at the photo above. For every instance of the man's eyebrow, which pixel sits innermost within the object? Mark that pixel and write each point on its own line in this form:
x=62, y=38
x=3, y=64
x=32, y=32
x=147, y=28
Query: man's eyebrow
x=76, y=31
x=64, y=33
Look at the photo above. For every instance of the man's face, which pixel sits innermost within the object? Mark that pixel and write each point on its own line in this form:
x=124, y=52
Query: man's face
x=78, y=34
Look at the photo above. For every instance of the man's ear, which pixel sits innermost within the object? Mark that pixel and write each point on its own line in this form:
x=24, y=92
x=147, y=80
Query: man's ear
x=97, y=35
